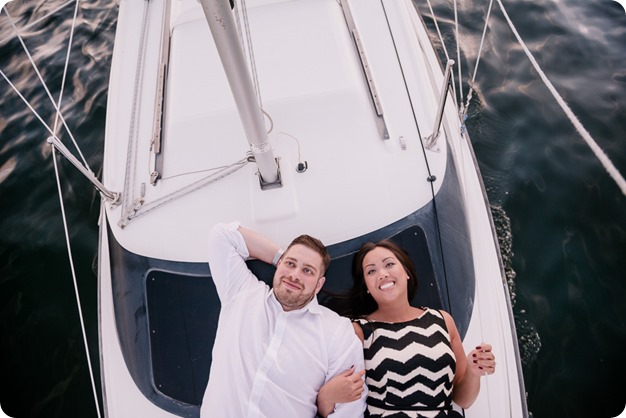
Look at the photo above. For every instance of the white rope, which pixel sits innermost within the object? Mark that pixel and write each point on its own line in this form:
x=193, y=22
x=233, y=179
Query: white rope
x=604, y=159
x=443, y=44
x=45, y=86
x=77, y=294
x=139, y=210
x=458, y=53
x=30, y=107
x=65, y=227
x=67, y=61
x=255, y=78
x=6, y=38
x=58, y=181
x=480, y=51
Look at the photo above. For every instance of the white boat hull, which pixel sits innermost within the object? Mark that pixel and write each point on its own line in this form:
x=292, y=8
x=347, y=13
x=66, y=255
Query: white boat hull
x=368, y=175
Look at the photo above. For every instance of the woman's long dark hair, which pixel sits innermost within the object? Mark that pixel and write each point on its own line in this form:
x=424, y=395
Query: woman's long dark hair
x=357, y=302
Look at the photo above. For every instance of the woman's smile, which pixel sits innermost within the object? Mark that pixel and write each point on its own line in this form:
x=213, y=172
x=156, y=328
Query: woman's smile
x=387, y=285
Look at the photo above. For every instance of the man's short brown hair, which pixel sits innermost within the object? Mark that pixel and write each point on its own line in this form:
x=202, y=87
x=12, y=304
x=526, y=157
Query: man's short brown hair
x=316, y=245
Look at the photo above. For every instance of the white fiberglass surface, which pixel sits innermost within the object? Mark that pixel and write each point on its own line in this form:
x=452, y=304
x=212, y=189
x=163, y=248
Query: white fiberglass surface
x=313, y=87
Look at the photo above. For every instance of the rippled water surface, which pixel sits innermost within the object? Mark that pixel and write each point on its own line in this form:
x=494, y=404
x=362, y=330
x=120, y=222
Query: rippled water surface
x=565, y=245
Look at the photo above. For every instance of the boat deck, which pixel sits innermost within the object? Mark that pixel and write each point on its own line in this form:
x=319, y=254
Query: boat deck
x=357, y=88
x=318, y=94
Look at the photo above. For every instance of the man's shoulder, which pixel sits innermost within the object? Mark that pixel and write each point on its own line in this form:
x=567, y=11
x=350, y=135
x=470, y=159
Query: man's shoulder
x=333, y=319
x=339, y=335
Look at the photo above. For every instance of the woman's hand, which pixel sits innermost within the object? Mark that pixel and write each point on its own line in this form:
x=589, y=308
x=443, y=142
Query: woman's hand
x=343, y=388
x=481, y=361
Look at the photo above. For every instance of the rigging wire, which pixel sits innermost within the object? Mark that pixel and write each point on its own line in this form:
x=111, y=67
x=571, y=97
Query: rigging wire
x=58, y=117
x=435, y=21
x=595, y=148
x=30, y=107
x=458, y=52
x=66, y=65
x=443, y=44
x=76, y=293
x=45, y=86
x=480, y=51
x=139, y=210
x=247, y=45
x=604, y=159
x=65, y=227
x=205, y=170
x=6, y=38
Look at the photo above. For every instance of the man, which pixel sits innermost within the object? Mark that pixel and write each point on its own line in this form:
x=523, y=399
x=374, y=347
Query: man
x=276, y=347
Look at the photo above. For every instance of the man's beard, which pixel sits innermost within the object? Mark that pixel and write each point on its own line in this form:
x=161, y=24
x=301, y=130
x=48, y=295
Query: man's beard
x=293, y=299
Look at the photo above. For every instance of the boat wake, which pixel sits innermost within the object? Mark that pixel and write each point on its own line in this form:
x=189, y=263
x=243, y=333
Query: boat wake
x=527, y=335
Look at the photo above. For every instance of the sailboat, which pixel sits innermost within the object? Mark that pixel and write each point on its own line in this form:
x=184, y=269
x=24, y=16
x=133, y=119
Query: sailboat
x=327, y=117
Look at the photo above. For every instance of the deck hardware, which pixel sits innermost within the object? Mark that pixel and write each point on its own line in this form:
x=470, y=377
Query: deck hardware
x=154, y=176
x=111, y=197
x=267, y=185
x=430, y=142
x=302, y=167
x=367, y=71
x=402, y=143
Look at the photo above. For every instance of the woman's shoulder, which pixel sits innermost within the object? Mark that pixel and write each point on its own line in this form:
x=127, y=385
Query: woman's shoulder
x=363, y=327
x=358, y=330
x=445, y=316
x=437, y=312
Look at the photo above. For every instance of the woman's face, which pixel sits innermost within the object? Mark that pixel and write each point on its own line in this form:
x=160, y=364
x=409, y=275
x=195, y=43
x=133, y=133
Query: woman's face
x=385, y=277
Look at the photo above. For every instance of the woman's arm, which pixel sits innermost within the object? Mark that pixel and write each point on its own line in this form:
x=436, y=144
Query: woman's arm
x=479, y=362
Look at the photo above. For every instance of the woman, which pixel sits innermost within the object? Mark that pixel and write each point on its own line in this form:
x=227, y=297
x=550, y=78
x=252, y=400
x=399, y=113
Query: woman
x=414, y=359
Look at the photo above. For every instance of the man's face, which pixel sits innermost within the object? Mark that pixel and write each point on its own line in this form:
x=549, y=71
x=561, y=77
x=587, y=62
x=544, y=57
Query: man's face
x=298, y=277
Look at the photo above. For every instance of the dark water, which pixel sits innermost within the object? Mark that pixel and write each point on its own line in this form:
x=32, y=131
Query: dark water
x=567, y=217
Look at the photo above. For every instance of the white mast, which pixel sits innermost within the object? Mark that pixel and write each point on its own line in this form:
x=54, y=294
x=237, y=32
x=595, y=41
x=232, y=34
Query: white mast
x=222, y=24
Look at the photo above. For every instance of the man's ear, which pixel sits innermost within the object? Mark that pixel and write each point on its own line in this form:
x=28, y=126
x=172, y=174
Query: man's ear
x=320, y=283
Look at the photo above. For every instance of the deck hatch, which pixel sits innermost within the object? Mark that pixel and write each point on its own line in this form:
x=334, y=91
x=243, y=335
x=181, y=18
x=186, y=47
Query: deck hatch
x=182, y=314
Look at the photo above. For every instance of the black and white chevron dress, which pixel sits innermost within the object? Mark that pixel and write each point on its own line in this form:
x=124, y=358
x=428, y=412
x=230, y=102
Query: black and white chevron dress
x=409, y=367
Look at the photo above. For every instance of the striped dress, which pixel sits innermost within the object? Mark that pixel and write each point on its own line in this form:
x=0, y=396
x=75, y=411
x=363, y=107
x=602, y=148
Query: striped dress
x=409, y=367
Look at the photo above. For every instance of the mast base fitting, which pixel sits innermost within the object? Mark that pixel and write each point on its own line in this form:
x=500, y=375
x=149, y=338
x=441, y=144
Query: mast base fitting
x=275, y=184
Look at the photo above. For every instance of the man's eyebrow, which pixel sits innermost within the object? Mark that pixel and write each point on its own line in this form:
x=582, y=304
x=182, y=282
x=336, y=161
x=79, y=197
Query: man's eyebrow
x=305, y=264
x=311, y=266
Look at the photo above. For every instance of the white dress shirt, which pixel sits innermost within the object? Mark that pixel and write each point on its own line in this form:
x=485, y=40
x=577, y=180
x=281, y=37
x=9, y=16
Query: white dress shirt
x=267, y=362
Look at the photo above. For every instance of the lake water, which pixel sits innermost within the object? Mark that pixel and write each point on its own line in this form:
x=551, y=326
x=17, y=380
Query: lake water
x=567, y=232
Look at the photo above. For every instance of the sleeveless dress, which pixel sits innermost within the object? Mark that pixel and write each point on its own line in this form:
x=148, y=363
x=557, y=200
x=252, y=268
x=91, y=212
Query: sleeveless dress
x=409, y=367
